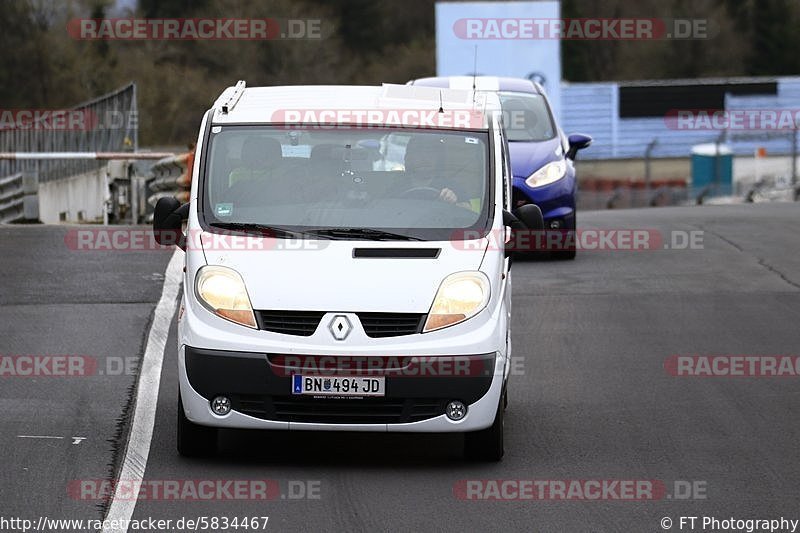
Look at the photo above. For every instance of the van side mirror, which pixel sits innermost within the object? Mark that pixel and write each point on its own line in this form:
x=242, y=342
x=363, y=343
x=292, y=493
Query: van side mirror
x=523, y=221
x=168, y=217
x=577, y=141
x=531, y=216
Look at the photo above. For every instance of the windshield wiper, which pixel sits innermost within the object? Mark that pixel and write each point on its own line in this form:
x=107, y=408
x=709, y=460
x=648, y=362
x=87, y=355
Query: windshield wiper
x=263, y=230
x=363, y=233
x=260, y=230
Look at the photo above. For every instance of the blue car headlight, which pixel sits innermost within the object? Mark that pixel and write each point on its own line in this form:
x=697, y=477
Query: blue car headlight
x=551, y=172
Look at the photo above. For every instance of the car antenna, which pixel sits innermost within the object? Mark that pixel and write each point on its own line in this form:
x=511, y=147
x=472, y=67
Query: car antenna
x=474, y=68
x=441, y=107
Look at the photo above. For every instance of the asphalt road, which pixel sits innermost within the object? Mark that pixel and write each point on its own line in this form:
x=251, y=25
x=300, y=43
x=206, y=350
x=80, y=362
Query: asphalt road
x=91, y=308
x=591, y=400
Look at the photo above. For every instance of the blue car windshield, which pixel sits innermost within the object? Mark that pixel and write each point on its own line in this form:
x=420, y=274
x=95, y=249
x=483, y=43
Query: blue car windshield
x=421, y=184
x=527, y=117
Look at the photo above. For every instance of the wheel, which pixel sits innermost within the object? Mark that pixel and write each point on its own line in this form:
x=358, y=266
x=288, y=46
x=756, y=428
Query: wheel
x=194, y=440
x=486, y=444
x=566, y=255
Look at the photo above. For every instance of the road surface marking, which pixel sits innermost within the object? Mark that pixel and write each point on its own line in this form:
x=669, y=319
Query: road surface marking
x=38, y=437
x=144, y=413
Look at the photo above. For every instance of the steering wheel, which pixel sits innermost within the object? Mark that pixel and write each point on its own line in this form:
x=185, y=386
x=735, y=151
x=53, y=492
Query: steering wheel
x=422, y=193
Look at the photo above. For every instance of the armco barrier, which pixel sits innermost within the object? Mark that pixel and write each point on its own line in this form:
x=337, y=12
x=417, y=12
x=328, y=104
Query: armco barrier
x=624, y=193
x=18, y=198
x=598, y=194
x=172, y=176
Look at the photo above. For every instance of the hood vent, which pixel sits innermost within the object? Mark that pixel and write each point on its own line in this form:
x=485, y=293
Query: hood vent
x=396, y=253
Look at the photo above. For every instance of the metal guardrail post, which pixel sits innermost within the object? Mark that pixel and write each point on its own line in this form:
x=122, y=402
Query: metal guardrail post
x=30, y=200
x=648, y=152
x=611, y=203
x=657, y=195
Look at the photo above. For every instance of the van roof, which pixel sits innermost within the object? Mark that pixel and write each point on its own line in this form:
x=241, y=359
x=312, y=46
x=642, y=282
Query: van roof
x=349, y=104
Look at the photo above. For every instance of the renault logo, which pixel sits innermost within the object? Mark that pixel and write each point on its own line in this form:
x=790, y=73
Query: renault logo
x=340, y=327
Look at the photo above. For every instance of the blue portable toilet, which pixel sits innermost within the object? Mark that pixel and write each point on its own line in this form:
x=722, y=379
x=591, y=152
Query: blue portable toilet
x=712, y=163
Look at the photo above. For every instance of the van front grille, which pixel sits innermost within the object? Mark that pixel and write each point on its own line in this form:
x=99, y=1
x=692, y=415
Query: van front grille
x=391, y=324
x=300, y=323
x=376, y=325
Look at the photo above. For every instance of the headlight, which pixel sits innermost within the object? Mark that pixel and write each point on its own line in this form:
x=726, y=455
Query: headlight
x=222, y=291
x=460, y=296
x=549, y=173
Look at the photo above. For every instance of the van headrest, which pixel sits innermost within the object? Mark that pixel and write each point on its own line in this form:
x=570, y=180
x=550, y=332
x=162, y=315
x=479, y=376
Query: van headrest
x=258, y=151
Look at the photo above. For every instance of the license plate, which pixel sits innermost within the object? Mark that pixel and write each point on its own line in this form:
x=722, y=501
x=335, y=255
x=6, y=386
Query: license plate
x=339, y=385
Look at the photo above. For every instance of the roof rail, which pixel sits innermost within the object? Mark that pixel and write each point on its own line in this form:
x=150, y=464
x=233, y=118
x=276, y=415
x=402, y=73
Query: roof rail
x=238, y=90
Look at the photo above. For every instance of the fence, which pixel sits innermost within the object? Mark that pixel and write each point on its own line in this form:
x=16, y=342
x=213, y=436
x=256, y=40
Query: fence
x=621, y=194
x=111, y=126
x=597, y=109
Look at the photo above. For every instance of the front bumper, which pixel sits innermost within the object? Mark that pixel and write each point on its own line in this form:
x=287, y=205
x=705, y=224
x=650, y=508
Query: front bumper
x=259, y=385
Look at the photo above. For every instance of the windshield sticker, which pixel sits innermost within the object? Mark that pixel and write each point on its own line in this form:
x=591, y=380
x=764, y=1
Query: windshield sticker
x=302, y=150
x=470, y=140
x=223, y=210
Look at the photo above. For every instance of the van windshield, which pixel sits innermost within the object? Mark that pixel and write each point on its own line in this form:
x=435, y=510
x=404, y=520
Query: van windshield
x=347, y=183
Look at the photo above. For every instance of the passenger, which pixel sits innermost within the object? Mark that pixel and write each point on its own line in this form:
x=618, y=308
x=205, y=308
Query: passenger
x=260, y=155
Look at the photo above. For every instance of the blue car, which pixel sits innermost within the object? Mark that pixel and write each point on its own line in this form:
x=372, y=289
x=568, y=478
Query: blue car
x=541, y=155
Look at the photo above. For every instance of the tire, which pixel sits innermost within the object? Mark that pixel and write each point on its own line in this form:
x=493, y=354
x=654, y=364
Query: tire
x=194, y=440
x=486, y=445
x=568, y=255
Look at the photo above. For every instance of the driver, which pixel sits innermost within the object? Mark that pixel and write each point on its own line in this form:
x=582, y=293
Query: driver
x=444, y=164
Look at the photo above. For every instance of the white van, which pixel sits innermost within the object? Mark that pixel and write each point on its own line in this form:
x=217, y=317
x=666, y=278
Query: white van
x=347, y=264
